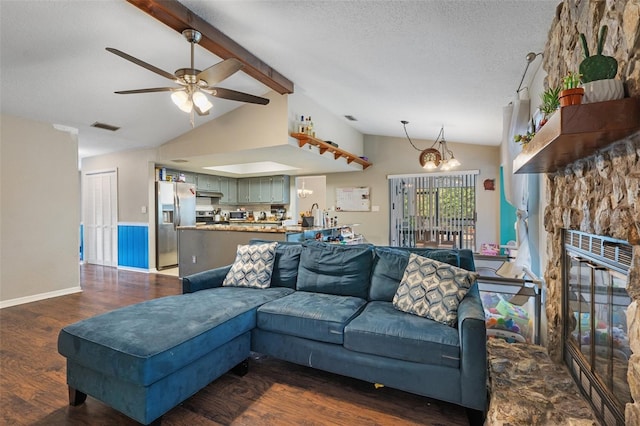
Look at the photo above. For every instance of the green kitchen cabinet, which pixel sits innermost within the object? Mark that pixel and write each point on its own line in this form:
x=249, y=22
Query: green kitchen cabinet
x=264, y=190
x=279, y=187
x=208, y=183
x=229, y=189
x=243, y=191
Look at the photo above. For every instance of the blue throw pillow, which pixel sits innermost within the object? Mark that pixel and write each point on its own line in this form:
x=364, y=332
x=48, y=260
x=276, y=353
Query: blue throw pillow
x=389, y=265
x=335, y=269
x=253, y=266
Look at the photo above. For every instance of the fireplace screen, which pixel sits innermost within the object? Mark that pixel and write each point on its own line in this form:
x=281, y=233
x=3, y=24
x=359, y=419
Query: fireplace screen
x=595, y=302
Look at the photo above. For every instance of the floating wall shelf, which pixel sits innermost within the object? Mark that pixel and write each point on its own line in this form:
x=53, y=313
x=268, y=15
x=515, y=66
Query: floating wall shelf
x=304, y=139
x=578, y=131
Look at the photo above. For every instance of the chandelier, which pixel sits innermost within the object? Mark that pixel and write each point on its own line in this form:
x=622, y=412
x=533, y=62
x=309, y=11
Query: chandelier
x=434, y=158
x=304, y=192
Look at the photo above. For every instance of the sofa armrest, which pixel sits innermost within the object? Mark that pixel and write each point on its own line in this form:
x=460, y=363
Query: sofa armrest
x=473, y=350
x=205, y=279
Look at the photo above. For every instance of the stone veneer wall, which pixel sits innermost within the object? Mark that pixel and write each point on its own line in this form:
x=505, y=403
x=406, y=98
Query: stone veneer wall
x=599, y=194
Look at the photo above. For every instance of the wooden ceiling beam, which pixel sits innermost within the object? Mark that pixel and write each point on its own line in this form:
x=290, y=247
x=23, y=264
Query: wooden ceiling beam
x=179, y=17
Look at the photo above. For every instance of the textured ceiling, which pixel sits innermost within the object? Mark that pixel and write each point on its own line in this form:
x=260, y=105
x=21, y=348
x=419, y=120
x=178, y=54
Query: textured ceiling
x=433, y=63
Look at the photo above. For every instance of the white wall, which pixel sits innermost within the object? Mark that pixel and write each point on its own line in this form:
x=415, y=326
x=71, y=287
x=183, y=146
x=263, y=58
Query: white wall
x=327, y=125
x=247, y=127
x=136, y=189
x=39, y=219
x=133, y=180
x=395, y=156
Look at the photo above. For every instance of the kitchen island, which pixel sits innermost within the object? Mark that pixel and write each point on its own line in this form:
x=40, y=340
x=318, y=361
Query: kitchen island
x=205, y=247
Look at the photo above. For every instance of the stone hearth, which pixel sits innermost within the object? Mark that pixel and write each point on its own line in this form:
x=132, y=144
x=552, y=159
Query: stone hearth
x=599, y=194
x=527, y=388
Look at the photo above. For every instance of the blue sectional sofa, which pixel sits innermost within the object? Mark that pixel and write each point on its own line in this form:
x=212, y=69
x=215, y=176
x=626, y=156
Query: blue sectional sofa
x=328, y=307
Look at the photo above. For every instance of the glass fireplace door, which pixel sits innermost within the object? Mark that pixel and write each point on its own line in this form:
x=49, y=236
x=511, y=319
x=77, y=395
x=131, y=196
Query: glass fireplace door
x=595, y=328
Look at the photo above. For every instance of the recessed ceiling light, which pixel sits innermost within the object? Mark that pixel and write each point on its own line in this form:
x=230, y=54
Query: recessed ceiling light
x=251, y=168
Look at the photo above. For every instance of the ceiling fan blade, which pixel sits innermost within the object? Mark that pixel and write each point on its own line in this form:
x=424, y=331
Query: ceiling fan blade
x=151, y=90
x=142, y=63
x=233, y=95
x=220, y=71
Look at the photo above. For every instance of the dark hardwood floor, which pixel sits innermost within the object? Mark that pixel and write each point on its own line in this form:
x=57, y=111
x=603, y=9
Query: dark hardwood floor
x=33, y=387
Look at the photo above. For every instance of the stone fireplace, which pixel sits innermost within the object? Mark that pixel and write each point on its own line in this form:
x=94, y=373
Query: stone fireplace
x=595, y=302
x=600, y=194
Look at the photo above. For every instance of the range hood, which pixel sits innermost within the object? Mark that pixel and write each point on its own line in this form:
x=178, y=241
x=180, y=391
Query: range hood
x=210, y=194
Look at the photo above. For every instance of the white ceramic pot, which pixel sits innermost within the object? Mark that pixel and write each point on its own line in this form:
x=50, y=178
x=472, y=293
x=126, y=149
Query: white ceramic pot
x=602, y=90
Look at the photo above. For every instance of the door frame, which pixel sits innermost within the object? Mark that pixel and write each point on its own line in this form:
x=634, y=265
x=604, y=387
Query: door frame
x=110, y=199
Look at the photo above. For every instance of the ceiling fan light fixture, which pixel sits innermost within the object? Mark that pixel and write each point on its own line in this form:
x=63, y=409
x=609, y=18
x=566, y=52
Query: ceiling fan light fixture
x=182, y=101
x=201, y=101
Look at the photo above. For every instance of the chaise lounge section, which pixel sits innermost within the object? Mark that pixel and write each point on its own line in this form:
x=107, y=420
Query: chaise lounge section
x=326, y=306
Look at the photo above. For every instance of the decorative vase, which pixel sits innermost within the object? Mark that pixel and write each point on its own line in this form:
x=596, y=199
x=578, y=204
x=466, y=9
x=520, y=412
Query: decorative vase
x=603, y=90
x=571, y=96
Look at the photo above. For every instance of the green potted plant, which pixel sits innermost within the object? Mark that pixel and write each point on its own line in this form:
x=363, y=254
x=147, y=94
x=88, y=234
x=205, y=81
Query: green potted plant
x=550, y=103
x=571, y=93
x=598, y=73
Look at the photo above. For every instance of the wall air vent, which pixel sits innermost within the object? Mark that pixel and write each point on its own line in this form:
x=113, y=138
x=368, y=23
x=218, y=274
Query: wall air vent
x=105, y=126
x=179, y=160
x=350, y=118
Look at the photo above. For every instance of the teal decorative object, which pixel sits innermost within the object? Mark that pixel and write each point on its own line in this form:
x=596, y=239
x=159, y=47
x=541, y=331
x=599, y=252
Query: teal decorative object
x=597, y=67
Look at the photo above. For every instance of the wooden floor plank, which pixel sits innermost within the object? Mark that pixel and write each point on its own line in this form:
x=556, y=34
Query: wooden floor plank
x=33, y=375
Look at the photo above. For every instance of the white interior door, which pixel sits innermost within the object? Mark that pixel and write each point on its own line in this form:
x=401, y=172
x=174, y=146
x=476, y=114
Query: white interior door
x=100, y=217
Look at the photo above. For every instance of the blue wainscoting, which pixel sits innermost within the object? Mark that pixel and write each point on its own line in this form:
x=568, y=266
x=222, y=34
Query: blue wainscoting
x=133, y=245
x=81, y=242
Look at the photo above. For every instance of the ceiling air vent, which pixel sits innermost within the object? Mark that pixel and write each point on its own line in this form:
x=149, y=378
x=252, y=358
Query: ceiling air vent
x=350, y=118
x=105, y=126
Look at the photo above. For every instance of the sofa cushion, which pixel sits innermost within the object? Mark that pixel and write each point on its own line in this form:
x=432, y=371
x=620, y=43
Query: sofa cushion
x=285, y=266
x=335, y=269
x=432, y=289
x=313, y=316
x=382, y=330
x=145, y=342
x=252, y=267
x=389, y=265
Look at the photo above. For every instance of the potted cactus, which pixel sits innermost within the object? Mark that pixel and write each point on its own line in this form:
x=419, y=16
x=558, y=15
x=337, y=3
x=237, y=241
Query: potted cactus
x=571, y=93
x=598, y=73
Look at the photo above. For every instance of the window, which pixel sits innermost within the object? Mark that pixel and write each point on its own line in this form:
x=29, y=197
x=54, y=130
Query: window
x=433, y=210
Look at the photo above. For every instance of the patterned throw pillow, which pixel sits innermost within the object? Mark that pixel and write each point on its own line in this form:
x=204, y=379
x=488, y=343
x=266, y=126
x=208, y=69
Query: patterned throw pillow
x=253, y=266
x=432, y=289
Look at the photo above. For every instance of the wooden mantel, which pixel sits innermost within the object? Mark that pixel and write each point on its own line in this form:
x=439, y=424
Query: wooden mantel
x=578, y=131
x=304, y=139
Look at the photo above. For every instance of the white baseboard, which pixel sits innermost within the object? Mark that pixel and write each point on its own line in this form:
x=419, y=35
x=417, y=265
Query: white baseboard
x=40, y=296
x=129, y=268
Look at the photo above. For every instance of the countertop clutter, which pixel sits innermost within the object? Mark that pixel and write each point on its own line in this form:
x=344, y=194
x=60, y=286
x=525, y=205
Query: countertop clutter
x=257, y=227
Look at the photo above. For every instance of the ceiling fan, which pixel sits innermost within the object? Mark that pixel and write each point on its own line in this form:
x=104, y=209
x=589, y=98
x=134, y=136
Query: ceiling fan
x=190, y=96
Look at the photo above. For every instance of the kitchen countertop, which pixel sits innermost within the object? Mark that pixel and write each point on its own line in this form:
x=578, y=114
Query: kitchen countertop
x=258, y=227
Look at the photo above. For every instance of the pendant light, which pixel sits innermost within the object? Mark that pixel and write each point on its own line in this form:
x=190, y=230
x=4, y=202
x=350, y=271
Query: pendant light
x=432, y=158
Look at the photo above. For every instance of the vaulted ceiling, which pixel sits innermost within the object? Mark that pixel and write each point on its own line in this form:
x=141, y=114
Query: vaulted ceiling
x=433, y=63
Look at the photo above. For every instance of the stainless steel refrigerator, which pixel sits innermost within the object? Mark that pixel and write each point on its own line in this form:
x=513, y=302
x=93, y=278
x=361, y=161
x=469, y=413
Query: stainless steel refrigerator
x=175, y=206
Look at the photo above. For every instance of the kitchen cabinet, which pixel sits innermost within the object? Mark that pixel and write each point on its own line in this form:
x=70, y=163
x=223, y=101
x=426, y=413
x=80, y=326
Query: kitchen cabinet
x=243, y=191
x=280, y=189
x=264, y=190
x=175, y=175
x=229, y=189
x=208, y=183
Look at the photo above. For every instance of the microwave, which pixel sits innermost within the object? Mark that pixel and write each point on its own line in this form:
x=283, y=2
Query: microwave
x=238, y=215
